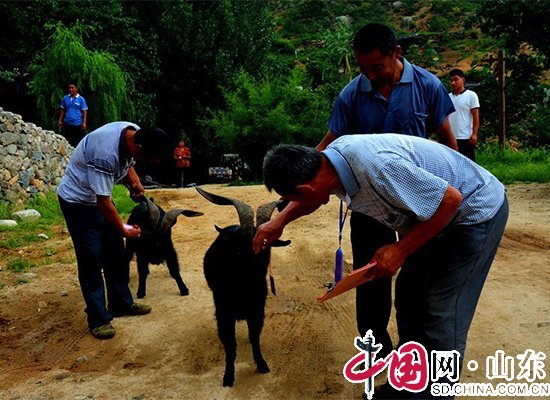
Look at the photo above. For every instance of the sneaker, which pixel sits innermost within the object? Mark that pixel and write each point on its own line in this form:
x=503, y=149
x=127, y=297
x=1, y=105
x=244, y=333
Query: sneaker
x=104, y=332
x=139, y=309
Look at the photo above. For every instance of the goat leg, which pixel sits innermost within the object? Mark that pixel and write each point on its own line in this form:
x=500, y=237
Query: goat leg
x=143, y=271
x=226, y=331
x=255, y=324
x=174, y=268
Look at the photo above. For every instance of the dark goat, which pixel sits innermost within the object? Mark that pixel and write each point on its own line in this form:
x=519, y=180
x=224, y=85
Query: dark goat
x=155, y=243
x=237, y=278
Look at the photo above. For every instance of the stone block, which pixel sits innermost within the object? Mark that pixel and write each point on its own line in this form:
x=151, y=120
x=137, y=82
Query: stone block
x=8, y=223
x=29, y=214
x=7, y=138
x=12, y=149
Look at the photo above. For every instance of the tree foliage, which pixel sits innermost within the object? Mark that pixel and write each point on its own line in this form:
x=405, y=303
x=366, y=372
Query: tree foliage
x=99, y=78
x=515, y=24
x=263, y=113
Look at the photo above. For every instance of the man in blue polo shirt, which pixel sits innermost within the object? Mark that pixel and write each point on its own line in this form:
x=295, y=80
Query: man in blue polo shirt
x=389, y=96
x=450, y=214
x=73, y=115
x=101, y=159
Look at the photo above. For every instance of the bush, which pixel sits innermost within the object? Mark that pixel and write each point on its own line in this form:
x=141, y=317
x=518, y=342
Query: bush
x=509, y=166
x=263, y=113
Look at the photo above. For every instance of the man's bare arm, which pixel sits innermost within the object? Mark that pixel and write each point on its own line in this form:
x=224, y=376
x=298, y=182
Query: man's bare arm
x=446, y=136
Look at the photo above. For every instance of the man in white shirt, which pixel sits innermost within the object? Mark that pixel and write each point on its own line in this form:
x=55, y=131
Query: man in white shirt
x=465, y=120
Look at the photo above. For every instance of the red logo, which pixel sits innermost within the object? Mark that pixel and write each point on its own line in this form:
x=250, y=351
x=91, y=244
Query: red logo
x=408, y=366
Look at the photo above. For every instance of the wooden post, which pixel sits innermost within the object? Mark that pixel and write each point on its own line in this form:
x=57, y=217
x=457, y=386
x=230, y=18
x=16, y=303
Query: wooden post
x=501, y=99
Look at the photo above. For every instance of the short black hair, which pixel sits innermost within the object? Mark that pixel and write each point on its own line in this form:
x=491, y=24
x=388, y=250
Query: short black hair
x=375, y=36
x=456, y=72
x=288, y=166
x=155, y=143
x=74, y=83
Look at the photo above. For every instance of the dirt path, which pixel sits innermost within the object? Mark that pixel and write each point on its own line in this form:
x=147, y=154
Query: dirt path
x=174, y=352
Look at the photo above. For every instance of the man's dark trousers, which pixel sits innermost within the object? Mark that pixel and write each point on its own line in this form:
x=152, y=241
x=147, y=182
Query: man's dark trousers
x=98, y=245
x=466, y=149
x=73, y=133
x=373, y=299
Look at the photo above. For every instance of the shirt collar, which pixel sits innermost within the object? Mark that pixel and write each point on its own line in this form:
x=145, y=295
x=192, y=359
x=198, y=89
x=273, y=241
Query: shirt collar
x=75, y=97
x=343, y=170
x=406, y=77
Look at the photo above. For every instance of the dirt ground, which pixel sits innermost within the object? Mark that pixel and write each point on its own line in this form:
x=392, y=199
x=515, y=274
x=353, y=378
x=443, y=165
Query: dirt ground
x=174, y=352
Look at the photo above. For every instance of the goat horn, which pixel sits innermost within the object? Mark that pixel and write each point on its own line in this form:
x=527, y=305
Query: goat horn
x=154, y=213
x=265, y=210
x=246, y=215
x=171, y=217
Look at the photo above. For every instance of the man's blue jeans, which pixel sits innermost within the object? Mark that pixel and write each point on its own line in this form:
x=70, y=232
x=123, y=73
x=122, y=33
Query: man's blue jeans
x=438, y=288
x=98, y=245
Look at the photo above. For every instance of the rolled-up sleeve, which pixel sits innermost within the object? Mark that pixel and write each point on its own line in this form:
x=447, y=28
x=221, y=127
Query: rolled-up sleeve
x=408, y=187
x=340, y=118
x=440, y=104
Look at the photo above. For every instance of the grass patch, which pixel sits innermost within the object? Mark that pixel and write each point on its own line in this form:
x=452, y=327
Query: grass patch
x=123, y=203
x=22, y=280
x=526, y=165
x=245, y=183
x=19, y=265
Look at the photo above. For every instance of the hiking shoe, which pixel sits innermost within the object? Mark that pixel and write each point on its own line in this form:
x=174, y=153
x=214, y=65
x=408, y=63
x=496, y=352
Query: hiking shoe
x=104, y=332
x=139, y=309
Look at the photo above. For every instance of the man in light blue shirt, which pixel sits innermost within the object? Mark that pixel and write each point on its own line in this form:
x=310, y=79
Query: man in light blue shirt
x=73, y=115
x=449, y=211
x=103, y=158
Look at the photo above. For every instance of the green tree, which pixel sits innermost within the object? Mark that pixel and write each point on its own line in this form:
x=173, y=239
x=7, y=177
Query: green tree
x=97, y=74
x=517, y=28
x=263, y=113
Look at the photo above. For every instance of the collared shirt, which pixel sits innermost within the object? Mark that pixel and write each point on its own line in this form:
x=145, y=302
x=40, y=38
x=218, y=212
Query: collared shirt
x=417, y=105
x=97, y=163
x=400, y=180
x=73, y=107
x=462, y=120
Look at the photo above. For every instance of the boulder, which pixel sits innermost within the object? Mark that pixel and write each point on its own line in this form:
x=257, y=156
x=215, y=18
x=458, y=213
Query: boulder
x=25, y=215
x=8, y=223
x=12, y=149
x=23, y=179
x=8, y=138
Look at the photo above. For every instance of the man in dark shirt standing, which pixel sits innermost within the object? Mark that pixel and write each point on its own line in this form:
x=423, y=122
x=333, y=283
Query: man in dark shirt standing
x=389, y=96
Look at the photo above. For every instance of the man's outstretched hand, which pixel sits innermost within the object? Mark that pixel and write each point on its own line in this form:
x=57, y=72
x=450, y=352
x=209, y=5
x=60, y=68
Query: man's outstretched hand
x=266, y=234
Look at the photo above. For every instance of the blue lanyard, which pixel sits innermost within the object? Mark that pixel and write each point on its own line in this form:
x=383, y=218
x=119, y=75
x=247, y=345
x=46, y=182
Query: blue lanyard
x=339, y=253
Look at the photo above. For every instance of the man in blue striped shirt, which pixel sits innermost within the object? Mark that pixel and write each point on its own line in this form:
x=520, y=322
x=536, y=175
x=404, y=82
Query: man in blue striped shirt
x=103, y=158
x=449, y=211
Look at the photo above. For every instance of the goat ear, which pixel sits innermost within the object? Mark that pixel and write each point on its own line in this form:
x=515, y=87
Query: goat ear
x=280, y=243
x=218, y=228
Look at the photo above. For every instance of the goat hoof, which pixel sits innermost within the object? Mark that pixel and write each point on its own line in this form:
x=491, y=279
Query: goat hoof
x=140, y=295
x=228, y=381
x=262, y=367
x=184, y=292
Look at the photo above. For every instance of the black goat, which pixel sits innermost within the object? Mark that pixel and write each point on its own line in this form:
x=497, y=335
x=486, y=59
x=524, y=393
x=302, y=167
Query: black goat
x=155, y=243
x=237, y=278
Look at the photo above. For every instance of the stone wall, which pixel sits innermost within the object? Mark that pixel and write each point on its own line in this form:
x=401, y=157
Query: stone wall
x=32, y=160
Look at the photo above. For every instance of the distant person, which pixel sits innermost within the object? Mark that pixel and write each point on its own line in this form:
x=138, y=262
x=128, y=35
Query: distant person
x=465, y=120
x=182, y=155
x=73, y=115
x=103, y=158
